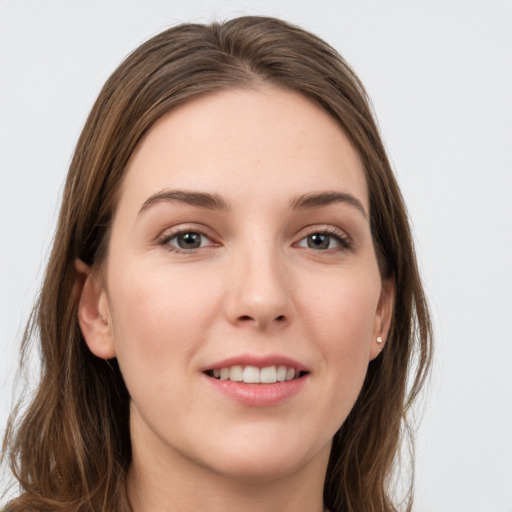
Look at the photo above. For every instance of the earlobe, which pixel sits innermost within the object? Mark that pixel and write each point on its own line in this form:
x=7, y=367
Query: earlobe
x=383, y=317
x=93, y=312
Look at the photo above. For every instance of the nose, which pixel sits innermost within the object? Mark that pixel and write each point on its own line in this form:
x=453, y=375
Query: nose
x=259, y=291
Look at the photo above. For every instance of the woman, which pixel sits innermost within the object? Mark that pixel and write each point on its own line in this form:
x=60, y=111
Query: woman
x=232, y=303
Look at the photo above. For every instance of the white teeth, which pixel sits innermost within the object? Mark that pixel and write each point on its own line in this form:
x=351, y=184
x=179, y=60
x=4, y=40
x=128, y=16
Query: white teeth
x=255, y=375
x=236, y=373
x=251, y=375
x=281, y=373
x=268, y=375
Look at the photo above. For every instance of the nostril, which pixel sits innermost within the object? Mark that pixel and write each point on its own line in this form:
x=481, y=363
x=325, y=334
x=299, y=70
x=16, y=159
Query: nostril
x=249, y=318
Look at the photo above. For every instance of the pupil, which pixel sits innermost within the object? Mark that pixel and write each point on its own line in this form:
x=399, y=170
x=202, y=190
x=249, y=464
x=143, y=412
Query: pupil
x=318, y=241
x=189, y=240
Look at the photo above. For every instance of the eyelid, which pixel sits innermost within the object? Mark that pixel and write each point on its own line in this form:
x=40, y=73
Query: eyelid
x=166, y=236
x=345, y=241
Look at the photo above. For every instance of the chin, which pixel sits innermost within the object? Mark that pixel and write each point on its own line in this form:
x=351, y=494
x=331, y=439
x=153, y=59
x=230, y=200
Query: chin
x=263, y=470
x=254, y=461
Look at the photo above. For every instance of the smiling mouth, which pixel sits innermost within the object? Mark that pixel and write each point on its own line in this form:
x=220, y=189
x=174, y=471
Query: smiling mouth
x=254, y=375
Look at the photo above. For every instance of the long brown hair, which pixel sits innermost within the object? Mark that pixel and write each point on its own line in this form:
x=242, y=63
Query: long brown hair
x=70, y=450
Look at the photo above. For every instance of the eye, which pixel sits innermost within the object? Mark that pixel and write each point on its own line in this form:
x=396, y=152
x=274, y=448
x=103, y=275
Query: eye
x=186, y=241
x=324, y=241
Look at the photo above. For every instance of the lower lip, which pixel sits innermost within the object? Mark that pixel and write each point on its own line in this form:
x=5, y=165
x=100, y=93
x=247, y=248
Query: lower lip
x=259, y=395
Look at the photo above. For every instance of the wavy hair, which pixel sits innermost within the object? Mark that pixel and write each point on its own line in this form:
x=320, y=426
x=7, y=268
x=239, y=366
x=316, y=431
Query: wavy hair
x=70, y=448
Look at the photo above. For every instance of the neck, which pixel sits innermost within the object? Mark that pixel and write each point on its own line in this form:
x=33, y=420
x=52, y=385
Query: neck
x=216, y=495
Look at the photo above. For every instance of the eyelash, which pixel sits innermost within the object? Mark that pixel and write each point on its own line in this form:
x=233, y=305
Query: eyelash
x=165, y=239
x=342, y=239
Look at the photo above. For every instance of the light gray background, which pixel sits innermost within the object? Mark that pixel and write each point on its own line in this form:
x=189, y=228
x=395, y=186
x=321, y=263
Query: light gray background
x=440, y=76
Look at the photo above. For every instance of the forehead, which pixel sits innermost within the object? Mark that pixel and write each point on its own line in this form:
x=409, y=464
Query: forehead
x=261, y=144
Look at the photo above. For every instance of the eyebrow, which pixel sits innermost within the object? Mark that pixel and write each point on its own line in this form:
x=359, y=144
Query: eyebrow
x=319, y=199
x=216, y=202
x=201, y=199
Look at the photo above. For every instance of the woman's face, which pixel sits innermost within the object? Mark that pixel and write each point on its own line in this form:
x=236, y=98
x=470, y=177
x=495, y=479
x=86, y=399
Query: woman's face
x=241, y=249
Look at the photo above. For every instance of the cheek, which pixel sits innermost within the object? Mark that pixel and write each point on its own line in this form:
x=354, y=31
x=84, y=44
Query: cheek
x=340, y=317
x=159, y=317
x=342, y=307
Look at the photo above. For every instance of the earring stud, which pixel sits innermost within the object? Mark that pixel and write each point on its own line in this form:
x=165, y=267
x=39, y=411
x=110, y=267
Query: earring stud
x=379, y=339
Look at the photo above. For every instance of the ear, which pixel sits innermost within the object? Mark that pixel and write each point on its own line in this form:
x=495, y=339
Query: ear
x=93, y=311
x=383, y=316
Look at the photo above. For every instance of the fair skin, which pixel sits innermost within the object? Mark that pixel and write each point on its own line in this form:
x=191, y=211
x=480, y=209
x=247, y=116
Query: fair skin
x=241, y=239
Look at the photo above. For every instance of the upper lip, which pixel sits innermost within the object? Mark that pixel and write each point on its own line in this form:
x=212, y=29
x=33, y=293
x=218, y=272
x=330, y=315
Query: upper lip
x=260, y=361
